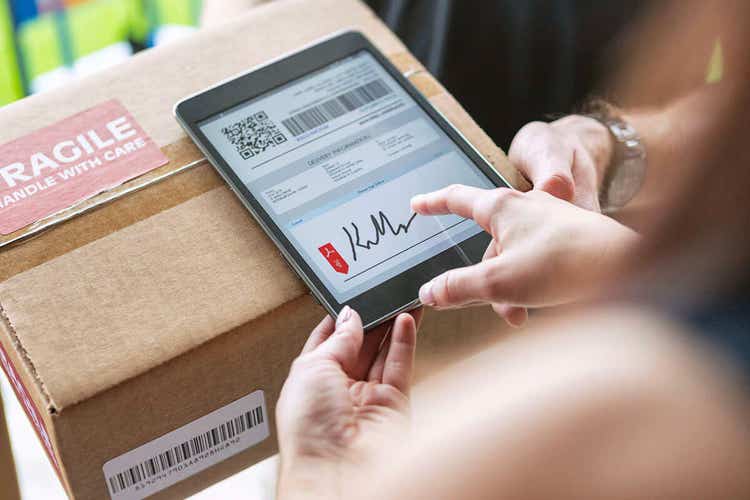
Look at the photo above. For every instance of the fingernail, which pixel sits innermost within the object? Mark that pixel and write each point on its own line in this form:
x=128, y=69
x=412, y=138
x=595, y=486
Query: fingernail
x=416, y=199
x=425, y=295
x=344, y=316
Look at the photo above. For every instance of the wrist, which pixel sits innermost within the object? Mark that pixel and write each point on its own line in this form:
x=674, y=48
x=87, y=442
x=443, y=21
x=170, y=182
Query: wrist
x=309, y=478
x=623, y=177
x=593, y=138
x=612, y=247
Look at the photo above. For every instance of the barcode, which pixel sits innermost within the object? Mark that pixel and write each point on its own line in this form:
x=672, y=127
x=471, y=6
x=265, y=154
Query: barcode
x=186, y=450
x=336, y=107
x=253, y=135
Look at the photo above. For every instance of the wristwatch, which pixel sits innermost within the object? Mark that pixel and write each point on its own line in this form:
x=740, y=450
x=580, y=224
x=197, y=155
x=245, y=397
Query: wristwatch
x=626, y=172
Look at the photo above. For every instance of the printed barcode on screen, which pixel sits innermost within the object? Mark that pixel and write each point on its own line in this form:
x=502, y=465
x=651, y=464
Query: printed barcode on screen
x=253, y=135
x=178, y=454
x=336, y=107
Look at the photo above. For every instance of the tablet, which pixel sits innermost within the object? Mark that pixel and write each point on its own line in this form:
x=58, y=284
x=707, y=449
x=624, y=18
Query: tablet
x=325, y=147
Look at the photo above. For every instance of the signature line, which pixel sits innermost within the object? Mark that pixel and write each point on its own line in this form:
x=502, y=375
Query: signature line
x=404, y=250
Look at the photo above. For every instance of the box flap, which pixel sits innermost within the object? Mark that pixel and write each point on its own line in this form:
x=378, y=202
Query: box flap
x=144, y=287
x=137, y=296
x=131, y=300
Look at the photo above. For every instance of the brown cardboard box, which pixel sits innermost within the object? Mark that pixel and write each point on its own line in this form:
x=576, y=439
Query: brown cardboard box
x=158, y=302
x=8, y=482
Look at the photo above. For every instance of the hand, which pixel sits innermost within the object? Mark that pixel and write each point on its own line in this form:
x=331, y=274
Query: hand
x=566, y=158
x=346, y=398
x=544, y=252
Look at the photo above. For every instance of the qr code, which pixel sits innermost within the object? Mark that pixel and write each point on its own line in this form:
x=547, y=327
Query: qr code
x=254, y=135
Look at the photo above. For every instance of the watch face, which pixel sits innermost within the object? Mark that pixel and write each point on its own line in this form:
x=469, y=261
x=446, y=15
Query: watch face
x=626, y=182
x=627, y=174
x=623, y=131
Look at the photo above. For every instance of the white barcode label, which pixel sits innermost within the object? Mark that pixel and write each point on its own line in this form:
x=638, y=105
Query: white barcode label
x=336, y=107
x=188, y=450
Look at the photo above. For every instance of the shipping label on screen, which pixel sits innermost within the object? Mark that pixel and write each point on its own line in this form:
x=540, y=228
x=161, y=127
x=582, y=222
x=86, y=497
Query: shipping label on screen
x=376, y=229
x=55, y=167
x=333, y=158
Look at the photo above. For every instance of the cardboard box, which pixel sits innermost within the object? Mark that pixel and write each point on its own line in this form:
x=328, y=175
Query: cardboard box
x=8, y=481
x=156, y=303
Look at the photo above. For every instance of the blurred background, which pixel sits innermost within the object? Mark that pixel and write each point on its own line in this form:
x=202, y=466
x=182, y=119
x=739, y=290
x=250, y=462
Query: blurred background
x=540, y=57
x=45, y=43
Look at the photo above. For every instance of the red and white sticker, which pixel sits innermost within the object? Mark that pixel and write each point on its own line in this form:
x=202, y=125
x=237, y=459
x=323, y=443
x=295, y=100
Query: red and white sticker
x=334, y=258
x=28, y=405
x=55, y=167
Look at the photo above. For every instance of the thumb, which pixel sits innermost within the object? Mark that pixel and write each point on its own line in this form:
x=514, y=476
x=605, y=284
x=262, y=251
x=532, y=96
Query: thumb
x=478, y=283
x=545, y=159
x=514, y=316
x=344, y=345
x=560, y=185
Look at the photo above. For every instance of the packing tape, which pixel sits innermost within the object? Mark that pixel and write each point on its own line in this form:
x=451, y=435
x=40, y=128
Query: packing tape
x=183, y=155
x=166, y=189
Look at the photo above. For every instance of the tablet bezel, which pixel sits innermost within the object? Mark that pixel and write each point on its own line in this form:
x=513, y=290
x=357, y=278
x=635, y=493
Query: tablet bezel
x=393, y=296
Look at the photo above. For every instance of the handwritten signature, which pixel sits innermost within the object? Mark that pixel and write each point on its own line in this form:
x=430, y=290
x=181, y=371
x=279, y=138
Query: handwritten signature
x=382, y=225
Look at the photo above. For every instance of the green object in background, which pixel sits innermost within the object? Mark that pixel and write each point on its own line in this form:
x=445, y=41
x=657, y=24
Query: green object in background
x=51, y=44
x=95, y=25
x=39, y=43
x=715, y=71
x=182, y=12
x=139, y=26
x=10, y=79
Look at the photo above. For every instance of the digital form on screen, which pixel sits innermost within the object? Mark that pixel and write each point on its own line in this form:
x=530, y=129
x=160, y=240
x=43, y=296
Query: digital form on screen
x=334, y=158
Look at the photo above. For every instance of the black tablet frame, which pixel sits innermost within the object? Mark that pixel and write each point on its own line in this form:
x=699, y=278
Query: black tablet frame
x=395, y=295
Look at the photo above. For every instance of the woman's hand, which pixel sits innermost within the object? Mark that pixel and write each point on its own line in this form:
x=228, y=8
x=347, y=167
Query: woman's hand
x=545, y=251
x=346, y=398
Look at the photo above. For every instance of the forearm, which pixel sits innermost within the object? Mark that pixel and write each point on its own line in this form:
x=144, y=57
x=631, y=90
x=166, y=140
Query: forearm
x=599, y=424
x=308, y=479
x=674, y=136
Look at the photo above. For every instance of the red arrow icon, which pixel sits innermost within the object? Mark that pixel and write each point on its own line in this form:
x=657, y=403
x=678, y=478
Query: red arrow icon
x=334, y=258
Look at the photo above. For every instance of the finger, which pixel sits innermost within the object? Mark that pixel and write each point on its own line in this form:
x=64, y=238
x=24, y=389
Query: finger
x=376, y=370
x=514, y=316
x=491, y=251
x=539, y=152
x=418, y=315
x=587, y=185
x=319, y=334
x=459, y=287
x=370, y=348
x=456, y=199
x=465, y=201
x=344, y=345
x=399, y=362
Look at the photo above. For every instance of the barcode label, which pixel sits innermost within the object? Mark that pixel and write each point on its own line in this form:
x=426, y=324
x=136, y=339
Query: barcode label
x=336, y=107
x=188, y=450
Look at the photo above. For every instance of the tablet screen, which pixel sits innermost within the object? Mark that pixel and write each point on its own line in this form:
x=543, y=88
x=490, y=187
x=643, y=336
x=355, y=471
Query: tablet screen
x=334, y=158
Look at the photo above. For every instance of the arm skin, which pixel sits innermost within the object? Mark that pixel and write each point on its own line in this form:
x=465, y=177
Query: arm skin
x=568, y=157
x=607, y=404
x=556, y=254
x=603, y=404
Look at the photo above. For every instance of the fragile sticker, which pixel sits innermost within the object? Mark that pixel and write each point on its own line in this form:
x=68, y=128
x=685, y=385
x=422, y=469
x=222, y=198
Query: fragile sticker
x=83, y=155
x=188, y=450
